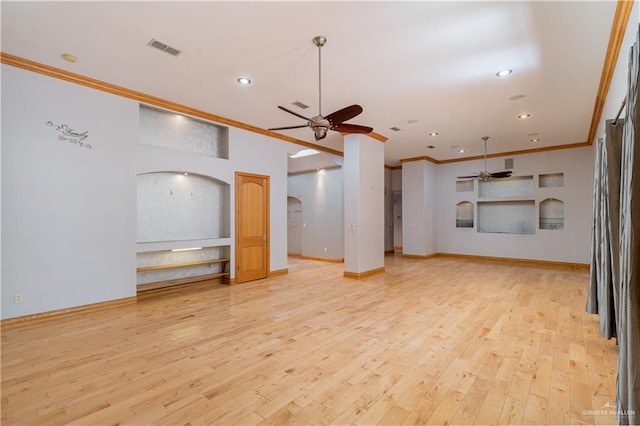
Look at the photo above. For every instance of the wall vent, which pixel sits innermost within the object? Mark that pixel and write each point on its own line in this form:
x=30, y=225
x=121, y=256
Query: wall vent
x=159, y=45
x=508, y=163
x=300, y=104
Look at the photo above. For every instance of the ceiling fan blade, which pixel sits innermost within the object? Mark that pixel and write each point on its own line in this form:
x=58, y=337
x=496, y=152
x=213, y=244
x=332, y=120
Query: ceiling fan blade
x=289, y=127
x=468, y=177
x=351, y=128
x=505, y=174
x=344, y=114
x=294, y=113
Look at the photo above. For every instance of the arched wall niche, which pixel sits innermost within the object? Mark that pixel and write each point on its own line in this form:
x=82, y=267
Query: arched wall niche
x=551, y=214
x=464, y=214
x=178, y=206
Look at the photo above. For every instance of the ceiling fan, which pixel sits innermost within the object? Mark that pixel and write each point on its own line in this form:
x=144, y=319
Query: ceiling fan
x=334, y=121
x=486, y=175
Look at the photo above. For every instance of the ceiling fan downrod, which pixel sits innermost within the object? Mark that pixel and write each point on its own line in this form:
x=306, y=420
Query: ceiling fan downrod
x=319, y=41
x=485, y=139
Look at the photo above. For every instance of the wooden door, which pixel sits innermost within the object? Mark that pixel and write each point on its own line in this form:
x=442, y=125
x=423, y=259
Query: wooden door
x=252, y=227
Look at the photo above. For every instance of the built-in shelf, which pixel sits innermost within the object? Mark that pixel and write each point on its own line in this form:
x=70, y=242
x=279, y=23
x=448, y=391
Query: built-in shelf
x=464, y=214
x=517, y=186
x=551, y=180
x=167, y=268
x=169, y=130
x=508, y=205
x=551, y=214
x=464, y=185
x=506, y=217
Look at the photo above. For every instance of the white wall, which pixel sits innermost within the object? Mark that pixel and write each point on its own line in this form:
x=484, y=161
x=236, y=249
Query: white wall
x=322, y=211
x=571, y=244
x=69, y=212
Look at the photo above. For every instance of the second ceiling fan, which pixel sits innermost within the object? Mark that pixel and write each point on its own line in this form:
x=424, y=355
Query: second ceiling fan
x=336, y=120
x=486, y=175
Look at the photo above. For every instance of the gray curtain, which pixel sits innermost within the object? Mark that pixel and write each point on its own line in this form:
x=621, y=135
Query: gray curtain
x=604, y=283
x=628, y=312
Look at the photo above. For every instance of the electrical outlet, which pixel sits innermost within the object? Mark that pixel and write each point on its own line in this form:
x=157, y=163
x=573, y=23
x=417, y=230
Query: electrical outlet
x=17, y=298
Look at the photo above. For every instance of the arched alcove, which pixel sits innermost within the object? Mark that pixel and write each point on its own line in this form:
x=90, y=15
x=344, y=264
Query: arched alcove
x=176, y=206
x=551, y=214
x=464, y=214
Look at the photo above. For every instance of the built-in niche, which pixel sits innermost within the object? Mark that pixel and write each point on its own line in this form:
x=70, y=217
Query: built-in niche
x=464, y=185
x=551, y=180
x=464, y=214
x=517, y=186
x=506, y=217
x=551, y=214
x=164, y=129
x=176, y=206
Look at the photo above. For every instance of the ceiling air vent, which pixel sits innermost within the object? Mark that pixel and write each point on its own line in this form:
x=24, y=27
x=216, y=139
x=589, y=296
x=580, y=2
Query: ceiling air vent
x=159, y=45
x=300, y=104
x=395, y=129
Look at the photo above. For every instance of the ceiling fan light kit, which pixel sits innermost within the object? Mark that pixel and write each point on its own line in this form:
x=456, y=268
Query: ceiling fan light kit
x=334, y=121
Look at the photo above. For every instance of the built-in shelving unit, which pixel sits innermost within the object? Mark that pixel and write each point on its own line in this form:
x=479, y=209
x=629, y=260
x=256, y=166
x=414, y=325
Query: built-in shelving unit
x=183, y=227
x=219, y=269
x=508, y=206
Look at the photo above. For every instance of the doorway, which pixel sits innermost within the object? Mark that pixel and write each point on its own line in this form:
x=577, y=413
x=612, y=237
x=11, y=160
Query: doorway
x=294, y=226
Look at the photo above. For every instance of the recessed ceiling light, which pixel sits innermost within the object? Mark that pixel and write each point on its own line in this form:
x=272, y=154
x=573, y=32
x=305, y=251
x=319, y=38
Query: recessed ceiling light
x=430, y=146
x=395, y=129
x=524, y=116
x=503, y=73
x=535, y=140
x=244, y=81
x=69, y=58
x=433, y=134
x=461, y=150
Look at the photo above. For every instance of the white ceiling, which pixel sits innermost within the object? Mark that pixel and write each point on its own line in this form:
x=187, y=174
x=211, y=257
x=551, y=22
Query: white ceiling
x=434, y=62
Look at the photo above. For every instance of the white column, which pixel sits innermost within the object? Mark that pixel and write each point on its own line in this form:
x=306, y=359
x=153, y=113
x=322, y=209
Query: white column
x=363, y=205
x=419, y=195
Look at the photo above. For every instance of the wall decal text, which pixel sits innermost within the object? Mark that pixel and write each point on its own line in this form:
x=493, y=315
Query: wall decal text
x=67, y=134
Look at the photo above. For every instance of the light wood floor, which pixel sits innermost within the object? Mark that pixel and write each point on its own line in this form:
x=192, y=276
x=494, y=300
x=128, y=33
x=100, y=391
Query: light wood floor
x=429, y=341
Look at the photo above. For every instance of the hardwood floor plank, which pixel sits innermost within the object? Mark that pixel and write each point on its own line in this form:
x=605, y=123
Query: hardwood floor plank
x=441, y=340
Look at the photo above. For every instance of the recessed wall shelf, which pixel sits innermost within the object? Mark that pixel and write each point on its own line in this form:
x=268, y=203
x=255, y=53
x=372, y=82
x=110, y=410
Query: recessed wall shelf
x=464, y=214
x=506, y=217
x=551, y=180
x=551, y=214
x=517, y=186
x=164, y=129
x=464, y=185
x=168, y=268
